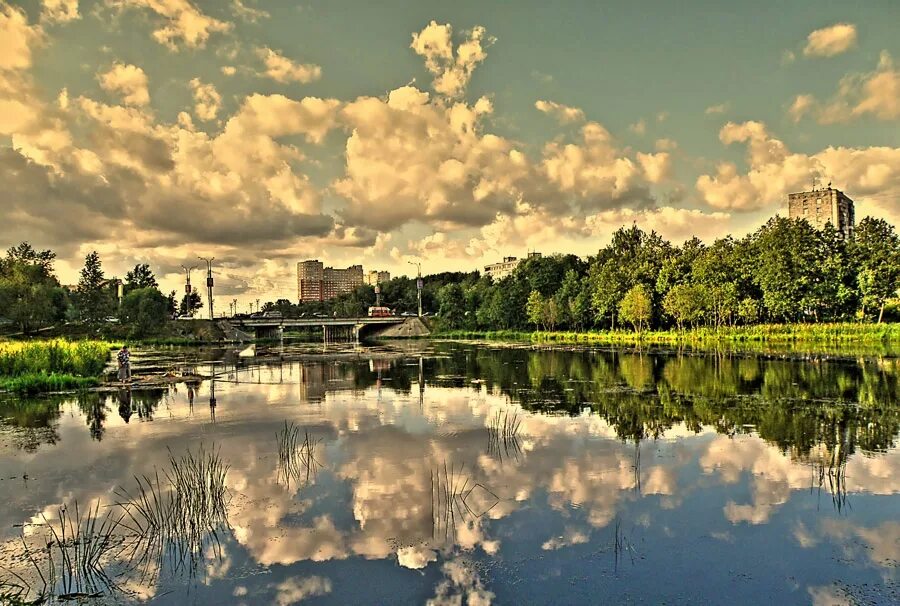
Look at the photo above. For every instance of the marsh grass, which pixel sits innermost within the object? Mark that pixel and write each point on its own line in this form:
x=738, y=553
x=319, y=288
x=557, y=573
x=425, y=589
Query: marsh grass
x=35, y=383
x=503, y=434
x=174, y=516
x=57, y=356
x=297, y=461
x=70, y=560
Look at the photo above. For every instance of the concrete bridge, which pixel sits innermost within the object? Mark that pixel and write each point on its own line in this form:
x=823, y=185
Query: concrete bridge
x=333, y=329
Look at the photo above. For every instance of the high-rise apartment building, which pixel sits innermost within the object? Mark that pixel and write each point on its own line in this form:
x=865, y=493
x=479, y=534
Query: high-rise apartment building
x=823, y=206
x=318, y=283
x=377, y=277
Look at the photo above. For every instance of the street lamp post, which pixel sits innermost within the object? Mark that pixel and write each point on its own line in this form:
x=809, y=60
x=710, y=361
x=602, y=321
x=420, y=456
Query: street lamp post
x=187, y=288
x=209, y=282
x=418, y=283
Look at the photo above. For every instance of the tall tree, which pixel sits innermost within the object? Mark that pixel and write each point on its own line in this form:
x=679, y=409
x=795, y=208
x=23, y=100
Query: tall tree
x=94, y=297
x=140, y=277
x=876, y=253
x=190, y=303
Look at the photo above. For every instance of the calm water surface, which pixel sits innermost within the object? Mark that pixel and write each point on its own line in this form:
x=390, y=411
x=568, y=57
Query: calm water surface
x=450, y=473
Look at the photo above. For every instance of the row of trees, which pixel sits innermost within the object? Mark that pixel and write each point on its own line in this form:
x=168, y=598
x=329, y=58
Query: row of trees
x=787, y=271
x=32, y=297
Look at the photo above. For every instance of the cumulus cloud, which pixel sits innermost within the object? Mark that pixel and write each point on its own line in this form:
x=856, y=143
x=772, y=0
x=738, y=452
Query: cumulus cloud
x=775, y=171
x=875, y=93
x=452, y=68
x=59, y=11
x=830, y=41
x=207, y=100
x=721, y=108
x=17, y=38
x=563, y=113
x=180, y=23
x=128, y=81
x=282, y=69
x=228, y=70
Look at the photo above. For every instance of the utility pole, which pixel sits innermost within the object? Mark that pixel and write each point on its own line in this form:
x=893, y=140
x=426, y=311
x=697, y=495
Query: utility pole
x=187, y=288
x=234, y=301
x=209, y=282
x=418, y=283
x=257, y=306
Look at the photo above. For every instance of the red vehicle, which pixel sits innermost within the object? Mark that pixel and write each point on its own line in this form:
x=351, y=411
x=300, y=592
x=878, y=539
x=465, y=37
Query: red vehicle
x=380, y=312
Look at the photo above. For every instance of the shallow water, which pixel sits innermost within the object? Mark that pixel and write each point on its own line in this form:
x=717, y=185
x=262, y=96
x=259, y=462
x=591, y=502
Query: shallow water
x=508, y=475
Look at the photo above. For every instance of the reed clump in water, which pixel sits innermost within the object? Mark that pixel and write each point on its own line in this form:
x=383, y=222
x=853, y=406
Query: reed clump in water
x=453, y=499
x=296, y=455
x=503, y=434
x=177, y=513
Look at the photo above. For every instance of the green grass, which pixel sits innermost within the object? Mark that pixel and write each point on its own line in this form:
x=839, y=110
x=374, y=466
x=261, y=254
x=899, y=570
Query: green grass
x=831, y=334
x=35, y=383
x=78, y=358
x=33, y=367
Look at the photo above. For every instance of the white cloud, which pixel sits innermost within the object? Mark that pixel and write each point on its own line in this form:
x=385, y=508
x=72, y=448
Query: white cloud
x=721, y=108
x=128, y=81
x=639, y=127
x=17, y=38
x=228, y=70
x=875, y=93
x=452, y=71
x=294, y=590
x=775, y=171
x=563, y=113
x=207, y=100
x=59, y=11
x=282, y=69
x=830, y=41
x=182, y=23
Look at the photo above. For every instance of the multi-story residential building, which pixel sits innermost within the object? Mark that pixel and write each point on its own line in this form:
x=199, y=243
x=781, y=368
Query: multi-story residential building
x=498, y=271
x=318, y=283
x=376, y=277
x=823, y=206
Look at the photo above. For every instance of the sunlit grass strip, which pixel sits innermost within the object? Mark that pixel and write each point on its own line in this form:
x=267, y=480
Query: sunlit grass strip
x=57, y=356
x=835, y=333
x=35, y=383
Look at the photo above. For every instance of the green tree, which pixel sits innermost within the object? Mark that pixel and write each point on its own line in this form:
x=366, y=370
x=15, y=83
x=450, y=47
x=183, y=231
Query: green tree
x=636, y=307
x=876, y=253
x=93, y=297
x=451, y=301
x=30, y=295
x=140, y=277
x=190, y=303
x=534, y=309
x=143, y=311
x=686, y=303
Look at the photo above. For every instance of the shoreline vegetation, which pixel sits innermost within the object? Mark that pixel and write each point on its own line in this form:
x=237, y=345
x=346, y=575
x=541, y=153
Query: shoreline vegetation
x=772, y=334
x=30, y=367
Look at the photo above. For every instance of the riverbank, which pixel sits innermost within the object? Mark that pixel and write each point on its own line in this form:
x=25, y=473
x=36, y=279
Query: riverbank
x=774, y=334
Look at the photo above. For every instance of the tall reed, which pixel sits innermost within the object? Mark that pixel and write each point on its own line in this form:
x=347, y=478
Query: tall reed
x=77, y=358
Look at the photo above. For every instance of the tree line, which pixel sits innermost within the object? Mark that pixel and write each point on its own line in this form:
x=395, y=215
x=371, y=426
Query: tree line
x=31, y=296
x=786, y=271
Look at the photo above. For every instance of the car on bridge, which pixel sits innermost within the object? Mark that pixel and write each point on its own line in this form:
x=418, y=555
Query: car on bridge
x=380, y=312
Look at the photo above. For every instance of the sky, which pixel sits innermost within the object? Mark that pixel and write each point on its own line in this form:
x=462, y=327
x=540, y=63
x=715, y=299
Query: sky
x=267, y=132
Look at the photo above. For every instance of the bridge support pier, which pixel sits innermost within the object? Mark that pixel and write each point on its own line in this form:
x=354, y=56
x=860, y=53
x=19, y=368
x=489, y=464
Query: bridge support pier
x=269, y=332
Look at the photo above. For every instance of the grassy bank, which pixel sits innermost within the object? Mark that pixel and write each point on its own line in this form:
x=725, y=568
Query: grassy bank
x=55, y=365
x=825, y=334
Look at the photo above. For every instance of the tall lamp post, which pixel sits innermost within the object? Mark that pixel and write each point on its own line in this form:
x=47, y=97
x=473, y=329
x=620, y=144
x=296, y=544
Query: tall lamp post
x=209, y=282
x=418, y=283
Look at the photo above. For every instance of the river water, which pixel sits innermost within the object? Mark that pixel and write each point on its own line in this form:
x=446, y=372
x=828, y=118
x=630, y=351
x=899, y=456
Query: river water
x=463, y=473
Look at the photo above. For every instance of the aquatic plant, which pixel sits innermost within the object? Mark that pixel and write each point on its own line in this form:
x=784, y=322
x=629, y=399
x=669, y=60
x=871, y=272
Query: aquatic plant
x=71, y=561
x=35, y=383
x=173, y=516
x=296, y=455
x=77, y=358
x=503, y=434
